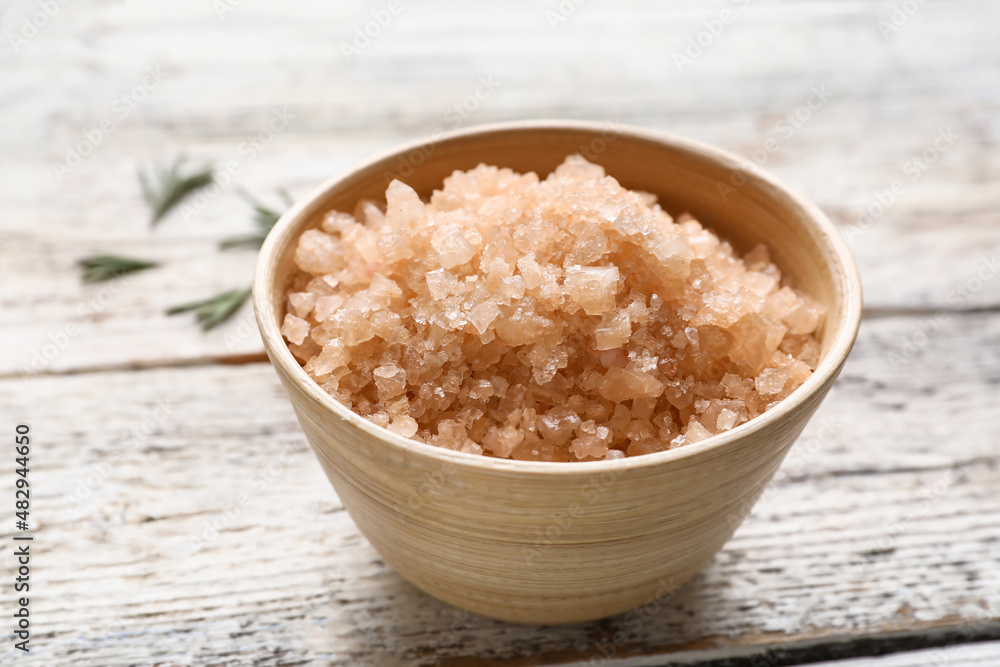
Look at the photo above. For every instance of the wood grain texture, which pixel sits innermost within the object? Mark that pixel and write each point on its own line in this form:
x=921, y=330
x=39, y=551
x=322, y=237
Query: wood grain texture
x=215, y=536
x=843, y=552
x=887, y=100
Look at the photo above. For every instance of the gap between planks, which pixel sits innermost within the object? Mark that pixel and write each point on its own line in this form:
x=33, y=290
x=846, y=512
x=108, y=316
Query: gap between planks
x=261, y=357
x=829, y=651
x=155, y=364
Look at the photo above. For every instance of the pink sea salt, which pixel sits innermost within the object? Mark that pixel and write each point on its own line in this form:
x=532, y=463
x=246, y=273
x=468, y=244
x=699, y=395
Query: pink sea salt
x=295, y=329
x=564, y=319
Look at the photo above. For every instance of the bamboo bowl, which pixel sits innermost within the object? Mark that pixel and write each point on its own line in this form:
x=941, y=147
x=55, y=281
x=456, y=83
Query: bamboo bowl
x=550, y=543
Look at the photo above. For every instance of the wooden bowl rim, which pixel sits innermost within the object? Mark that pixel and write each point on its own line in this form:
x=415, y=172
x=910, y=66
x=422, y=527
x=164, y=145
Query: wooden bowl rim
x=844, y=270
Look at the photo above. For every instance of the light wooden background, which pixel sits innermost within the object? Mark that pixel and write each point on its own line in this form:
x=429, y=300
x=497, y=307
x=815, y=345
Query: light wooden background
x=181, y=519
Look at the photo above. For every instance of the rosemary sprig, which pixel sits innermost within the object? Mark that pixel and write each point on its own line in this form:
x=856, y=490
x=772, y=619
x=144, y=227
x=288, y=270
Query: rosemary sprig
x=172, y=187
x=97, y=268
x=264, y=217
x=216, y=310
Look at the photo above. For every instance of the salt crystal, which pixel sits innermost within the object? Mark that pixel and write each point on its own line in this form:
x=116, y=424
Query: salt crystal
x=592, y=442
x=325, y=285
x=726, y=419
x=355, y=326
x=470, y=447
x=317, y=252
x=389, y=327
x=733, y=385
x=758, y=258
x=334, y=355
x=771, y=380
x=546, y=361
x=403, y=205
x=558, y=424
x=294, y=329
x=758, y=283
x=615, y=358
x=327, y=306
x=781, y=303
x=455, y=250
x=593, y=287
x=370, y=213
x=695, y=431
x=674, y=254
x=390, y=381
x=336, y=222
x=513, y=287
x=302, y=303
x=613, y=332
x=530, y=271
x=503, y=441
x=361, y=243
x=441, y=284
x=805, y=318
x=692, y=336
x=405, y=426
x=622, y=385
x=383, y=287
x=483, y=315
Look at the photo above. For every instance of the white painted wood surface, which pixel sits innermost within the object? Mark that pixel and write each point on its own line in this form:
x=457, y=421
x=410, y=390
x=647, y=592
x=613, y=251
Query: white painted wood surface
x=849, y=548
x=968, y=655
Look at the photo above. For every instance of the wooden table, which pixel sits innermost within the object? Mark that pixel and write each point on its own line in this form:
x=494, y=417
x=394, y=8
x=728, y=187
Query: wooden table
x=179, y=518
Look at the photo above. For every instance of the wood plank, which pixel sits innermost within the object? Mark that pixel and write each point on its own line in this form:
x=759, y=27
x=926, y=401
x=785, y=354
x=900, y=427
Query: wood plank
x=209, y=535
x=929, y=244
x=967, y=655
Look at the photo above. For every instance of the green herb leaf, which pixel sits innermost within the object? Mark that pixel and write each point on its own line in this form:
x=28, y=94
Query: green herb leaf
x=216, y=310
x=264, y=217
x=172, y=187
x=105, y=267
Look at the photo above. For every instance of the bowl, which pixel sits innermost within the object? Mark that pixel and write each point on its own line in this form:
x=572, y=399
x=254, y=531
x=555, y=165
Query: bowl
x=554, y=543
